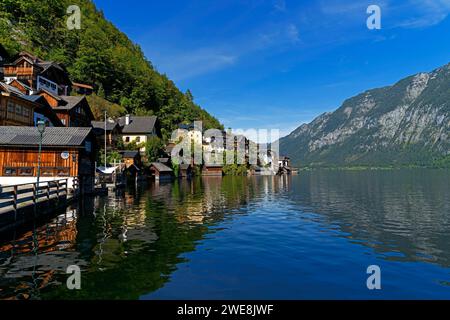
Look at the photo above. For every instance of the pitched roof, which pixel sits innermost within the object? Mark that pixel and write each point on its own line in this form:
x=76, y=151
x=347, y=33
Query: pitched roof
x=27, y=87
x=161, y=167
x=33, y=98
x=129, y=154
x=163, y=160
x=53, y=136
x=100, y=125
x=10, y=89
x=138, y=124
x=72, y=101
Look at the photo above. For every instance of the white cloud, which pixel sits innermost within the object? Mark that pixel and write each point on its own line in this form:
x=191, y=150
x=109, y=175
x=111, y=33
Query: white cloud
x=428, y=13
x=280, y=5
x=293, y=33
x=183, y=65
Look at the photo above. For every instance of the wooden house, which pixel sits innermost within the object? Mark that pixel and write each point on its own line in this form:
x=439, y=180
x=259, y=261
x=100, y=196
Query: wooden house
x=214, y=170
x=131, y=158
x=112, y=133
x=161, y=172
x=38, y=74
x=73, y=111
x=66, y=153
x=82, y=89
x=15, y=110
x=18, y=109
x=22, y=87
x=139, y=129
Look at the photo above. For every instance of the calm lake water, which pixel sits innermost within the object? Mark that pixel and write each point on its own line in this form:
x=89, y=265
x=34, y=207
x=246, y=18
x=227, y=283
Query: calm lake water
x=310, y=236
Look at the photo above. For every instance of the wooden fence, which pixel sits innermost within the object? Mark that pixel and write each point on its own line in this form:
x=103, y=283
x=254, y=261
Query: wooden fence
x=16, y=196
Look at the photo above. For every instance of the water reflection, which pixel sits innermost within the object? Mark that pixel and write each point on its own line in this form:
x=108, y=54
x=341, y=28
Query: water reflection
x=404, y=212
x=131, y=244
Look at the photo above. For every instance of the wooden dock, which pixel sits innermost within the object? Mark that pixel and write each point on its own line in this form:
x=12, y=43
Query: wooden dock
x=24, y=202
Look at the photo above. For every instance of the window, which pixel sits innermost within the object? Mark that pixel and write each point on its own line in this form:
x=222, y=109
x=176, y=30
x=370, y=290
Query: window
x=47, y=172
x=26, y=172
x=11, y=107
x=63, y=121
x=18, y=109
x=138, y=139
x=10, y=172
x=127, y=139
x=88, y=146
x=62, y=172
x=26, y=112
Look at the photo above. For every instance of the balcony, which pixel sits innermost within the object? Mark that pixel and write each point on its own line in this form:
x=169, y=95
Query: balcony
x=18, y=72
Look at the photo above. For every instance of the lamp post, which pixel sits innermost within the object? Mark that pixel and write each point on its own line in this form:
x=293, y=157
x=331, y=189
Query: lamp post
x=105, y=140
x=41, y=129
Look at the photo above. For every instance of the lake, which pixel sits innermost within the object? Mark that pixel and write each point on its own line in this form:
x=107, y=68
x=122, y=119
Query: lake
x=310, y=236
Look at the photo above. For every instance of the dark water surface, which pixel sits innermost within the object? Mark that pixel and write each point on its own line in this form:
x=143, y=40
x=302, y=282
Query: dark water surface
x=310, y=236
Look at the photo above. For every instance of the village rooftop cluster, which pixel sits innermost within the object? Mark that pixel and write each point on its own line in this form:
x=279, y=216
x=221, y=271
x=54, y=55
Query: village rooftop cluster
x=34, y=91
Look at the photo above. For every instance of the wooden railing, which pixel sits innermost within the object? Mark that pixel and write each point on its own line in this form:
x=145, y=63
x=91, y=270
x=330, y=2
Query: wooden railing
x=11, y=197
x=15, y=71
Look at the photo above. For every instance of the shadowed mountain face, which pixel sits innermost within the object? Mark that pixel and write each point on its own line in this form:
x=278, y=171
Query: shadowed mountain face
x=404, y=124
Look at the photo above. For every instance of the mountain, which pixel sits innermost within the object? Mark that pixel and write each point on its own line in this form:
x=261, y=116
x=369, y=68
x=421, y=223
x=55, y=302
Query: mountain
x=98, y=54
x=407, y=124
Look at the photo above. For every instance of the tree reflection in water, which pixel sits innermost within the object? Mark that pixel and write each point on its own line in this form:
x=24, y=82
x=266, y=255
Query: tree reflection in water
x=129, y=244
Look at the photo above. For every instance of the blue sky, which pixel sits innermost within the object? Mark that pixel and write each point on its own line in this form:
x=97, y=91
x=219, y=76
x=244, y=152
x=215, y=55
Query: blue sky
x=279, y=63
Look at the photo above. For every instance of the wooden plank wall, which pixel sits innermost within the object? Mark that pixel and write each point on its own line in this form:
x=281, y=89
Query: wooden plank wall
x=51, y=158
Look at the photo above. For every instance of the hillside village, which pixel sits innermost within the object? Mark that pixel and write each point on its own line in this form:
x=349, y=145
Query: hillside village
x=37, y=92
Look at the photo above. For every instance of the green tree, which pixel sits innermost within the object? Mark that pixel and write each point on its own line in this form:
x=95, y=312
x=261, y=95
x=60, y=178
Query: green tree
x=153, y=148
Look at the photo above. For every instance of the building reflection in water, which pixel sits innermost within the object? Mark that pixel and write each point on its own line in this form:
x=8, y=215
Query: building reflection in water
x=129, y=244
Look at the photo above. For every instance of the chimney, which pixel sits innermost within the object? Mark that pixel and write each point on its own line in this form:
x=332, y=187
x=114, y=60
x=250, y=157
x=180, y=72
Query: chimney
x=127, y=119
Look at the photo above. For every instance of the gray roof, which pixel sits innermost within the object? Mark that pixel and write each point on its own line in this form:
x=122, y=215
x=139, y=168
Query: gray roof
x=72, y=101
x=129, y=154
x=161, y=167
x=138, y=124
x=101, y=125
x=33, y=98
x=53, y=136
x=163, y=160
x=11, y=89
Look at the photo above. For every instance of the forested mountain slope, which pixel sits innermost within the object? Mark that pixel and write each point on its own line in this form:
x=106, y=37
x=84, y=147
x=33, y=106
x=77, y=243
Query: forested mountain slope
x=98, y=54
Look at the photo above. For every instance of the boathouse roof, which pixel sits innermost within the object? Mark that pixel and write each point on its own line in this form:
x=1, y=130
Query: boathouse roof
x=53, y=136
x=161, y=167
x=129, y=154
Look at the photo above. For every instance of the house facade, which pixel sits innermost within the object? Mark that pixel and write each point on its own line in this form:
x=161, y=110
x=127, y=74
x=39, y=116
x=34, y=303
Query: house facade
x=73, y=111
x=112, y=133
x=82, y=89
x=14, y=109
x=138, y=130
x=66, y=153
x=38, y=74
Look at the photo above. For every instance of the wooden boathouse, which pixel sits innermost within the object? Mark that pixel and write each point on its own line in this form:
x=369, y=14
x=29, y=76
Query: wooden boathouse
x=67, y=153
